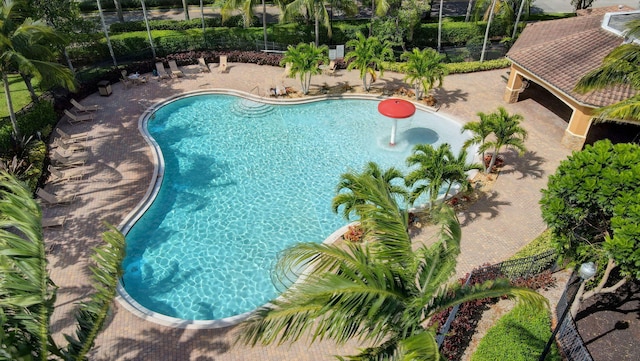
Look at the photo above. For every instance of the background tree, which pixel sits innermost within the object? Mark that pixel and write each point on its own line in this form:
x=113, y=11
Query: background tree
x=17, y=44
x=379, y=291
x=582, y=4
x=305, y=60
x=246, y=6
x=28, y=294
x=592, y=206
x=118, y=6
x=424, y=69
x=620, y=67
x=315, y=8
x=435, y=168
x=507, y=132
x=64, y=16
x=368, y=56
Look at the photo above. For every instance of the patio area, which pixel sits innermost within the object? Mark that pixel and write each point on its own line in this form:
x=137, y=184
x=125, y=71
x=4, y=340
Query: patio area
x=119, y=171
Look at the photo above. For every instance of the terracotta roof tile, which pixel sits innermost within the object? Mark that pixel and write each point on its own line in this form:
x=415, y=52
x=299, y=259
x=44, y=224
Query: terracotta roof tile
x=560, y=52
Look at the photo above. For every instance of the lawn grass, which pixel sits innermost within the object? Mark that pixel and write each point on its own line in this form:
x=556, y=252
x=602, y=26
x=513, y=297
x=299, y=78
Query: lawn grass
x=520, y=335
x=19, y=95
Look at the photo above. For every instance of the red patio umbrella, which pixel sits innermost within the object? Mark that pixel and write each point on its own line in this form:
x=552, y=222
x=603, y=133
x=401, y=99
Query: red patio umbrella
x=396, y=109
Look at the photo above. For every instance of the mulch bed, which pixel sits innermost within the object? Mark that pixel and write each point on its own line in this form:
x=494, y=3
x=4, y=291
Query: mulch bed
x=610, y=324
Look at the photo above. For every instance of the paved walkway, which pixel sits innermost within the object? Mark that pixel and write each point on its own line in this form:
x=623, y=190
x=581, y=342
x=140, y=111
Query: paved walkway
x=120, y=168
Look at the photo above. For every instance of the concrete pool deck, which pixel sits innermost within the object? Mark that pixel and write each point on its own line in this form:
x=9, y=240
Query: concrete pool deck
x=119, y=172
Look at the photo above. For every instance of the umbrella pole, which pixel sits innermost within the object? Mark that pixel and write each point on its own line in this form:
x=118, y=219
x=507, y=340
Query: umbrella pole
x=392, y=141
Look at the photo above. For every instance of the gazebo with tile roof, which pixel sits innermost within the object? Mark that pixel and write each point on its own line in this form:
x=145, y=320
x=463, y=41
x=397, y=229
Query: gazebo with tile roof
x=555, y=54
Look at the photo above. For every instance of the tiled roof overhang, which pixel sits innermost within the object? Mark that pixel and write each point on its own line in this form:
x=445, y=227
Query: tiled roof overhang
x=560, y=52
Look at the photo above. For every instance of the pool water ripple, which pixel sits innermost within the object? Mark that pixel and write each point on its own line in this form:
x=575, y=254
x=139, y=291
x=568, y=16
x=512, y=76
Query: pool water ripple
x=237, y=190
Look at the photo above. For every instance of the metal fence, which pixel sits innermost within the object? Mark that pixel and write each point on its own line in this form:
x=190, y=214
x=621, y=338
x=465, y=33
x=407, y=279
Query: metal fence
x=512, y=269
x=569, y=340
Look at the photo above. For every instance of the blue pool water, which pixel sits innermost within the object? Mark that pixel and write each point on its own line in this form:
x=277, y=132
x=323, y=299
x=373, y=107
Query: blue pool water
x=242, y=182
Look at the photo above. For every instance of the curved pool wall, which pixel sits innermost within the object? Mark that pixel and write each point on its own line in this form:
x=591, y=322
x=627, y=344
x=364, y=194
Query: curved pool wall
x=158, y=171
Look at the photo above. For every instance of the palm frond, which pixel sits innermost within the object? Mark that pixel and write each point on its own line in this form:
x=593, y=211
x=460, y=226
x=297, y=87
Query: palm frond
x=92, y=314
x=27, y=291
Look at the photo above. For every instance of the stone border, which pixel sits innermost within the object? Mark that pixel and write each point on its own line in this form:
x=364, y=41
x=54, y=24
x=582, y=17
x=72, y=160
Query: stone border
x=130, y=219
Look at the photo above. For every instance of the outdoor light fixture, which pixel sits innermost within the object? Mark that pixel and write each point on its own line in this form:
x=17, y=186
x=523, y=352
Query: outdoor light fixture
x=586, y=271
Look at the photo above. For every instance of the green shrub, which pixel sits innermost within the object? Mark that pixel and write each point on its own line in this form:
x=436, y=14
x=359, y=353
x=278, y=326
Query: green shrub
x=40, y=118
x=519, y=335
x=453, y=33
x=456, y=68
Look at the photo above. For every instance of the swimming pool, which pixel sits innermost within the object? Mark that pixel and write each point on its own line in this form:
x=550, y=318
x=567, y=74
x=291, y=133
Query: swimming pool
x=244, y=180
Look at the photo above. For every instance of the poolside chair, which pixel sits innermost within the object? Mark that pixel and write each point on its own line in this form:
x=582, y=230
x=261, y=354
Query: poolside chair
x=174, y=69
x=69, y=147
x=67, y=162
x=162, y=72
x=54, y=199
x=84, y=108
x=57, y=221
x=204, y=68
x=331, y=69
x=77, y=118
x=67, y=174
x=222, y=68
x=78, y=137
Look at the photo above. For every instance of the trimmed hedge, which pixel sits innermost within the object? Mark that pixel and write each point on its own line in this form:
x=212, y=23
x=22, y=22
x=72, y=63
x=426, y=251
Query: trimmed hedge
x=458, y=68
x=519, y=335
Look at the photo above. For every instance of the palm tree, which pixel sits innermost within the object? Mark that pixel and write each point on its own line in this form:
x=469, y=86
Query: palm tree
x=507, y=133
x=305, y=60
x=436, y=167
x=424, y=69
x=354, y=189
x=311, y=7
x=228, y=6
x=28, y=294
x=378, y=8
x=185, y=6
x=380, y=291
x=480, y=130
x=368, y=55
x=22, y=48
x=621, y=66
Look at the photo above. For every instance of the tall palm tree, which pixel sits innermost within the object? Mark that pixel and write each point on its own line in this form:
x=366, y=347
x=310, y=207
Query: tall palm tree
x=305, y=60
x=435, y=168
x=246, y=6
x=507, y=133
x=378, y=8
x=380, y=292
x=424, y=70
x=22, y=48
x=621, y=66
x=315, y=8
x=28, y=294
x=368, y=55
x=480, y=131
x=185, y=6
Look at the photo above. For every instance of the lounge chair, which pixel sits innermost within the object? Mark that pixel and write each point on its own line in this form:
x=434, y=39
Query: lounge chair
x=77, y=137
x=174, y=69
x=70, y=161
x=331, y=69
x=162, y=72
x=57, y=221
x=67, y=174
x=77, y=118
x=204, y=68
x=69, y=147
x=54, y=199
x=124, y=79
x=84, y=108
x=222, y=68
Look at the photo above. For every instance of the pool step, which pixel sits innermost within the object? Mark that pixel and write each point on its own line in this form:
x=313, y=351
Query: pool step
x=251, y=109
